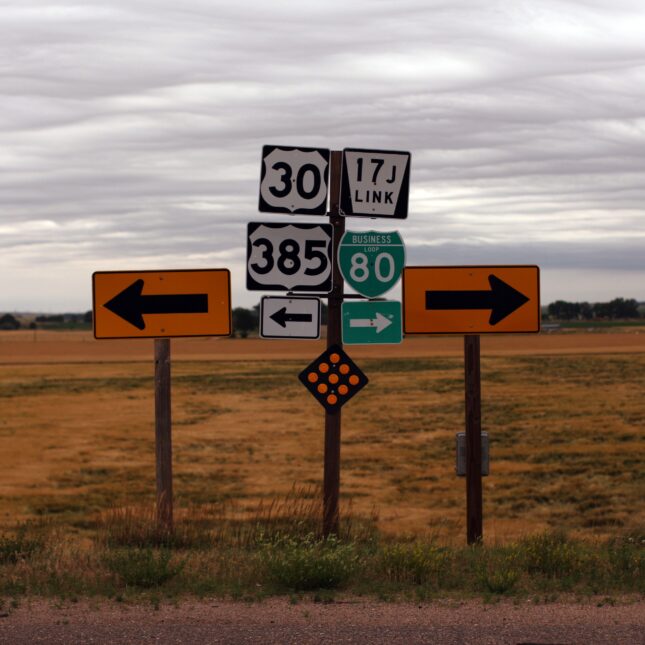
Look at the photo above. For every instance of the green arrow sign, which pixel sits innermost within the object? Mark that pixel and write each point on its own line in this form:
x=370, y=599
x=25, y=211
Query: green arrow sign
x=370, y=261
x=372, y=323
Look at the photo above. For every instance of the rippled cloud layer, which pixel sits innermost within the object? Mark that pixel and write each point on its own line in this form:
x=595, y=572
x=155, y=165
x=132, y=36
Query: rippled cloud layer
x=131, y=132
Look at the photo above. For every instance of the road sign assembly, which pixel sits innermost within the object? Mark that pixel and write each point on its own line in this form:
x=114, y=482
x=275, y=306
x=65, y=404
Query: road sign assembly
x=375, y=183
x=375, y=322
x=471, y=300
x=371, y=261
x=161, y=304
x=284, y=317
x=289, y=257
x=294, y=180
x=333, y=378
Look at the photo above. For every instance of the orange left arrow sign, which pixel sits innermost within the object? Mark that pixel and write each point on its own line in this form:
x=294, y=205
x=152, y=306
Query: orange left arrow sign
x=158, y=304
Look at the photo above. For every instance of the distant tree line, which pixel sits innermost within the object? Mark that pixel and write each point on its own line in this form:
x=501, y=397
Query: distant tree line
x=247, y=321
x=57, y=319
x=9, y=321
x=616, y=309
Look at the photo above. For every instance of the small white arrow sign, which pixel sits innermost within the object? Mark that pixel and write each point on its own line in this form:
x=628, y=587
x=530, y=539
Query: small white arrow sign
x=380, y=322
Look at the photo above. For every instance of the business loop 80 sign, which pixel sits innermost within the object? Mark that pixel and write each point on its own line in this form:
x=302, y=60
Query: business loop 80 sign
x=371, y=261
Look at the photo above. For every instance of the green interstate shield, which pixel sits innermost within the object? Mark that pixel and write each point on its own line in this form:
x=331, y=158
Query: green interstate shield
x=376, y=322
x=371, y=262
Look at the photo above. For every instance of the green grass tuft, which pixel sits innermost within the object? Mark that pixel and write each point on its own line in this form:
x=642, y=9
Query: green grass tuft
x=309, y=564
x=416, y=563
x=551, y=554
x=143, y=568
x=22, y=545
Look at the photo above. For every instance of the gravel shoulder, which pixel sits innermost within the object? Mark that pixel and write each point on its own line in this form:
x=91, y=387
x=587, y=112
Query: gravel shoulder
x=343, y=621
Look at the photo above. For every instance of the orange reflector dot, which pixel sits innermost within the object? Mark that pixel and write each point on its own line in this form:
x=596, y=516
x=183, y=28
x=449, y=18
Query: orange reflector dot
x=324, y=368
x=332, y=399
x=333, y=378
x=322, y=388
x=343, y=389
x=334, y=358
x=344, y=368
x=312, y=377
x=353, y=379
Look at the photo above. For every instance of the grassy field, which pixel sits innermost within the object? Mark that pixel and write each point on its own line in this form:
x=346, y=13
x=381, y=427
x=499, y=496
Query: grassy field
x=565, y=420
x=564, y=506
x=127, y=560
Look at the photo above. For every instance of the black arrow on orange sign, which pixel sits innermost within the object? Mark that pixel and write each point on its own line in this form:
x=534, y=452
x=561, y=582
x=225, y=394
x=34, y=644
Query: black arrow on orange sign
x=131, y=305
x=501, y=299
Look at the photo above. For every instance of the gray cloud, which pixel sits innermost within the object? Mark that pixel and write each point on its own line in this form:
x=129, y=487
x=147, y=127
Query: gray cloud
x=131, y=132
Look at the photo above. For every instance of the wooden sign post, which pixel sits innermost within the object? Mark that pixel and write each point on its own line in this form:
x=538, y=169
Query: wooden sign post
x=331, y=476
x=472, y=300
x=162, y=305
x=474, y=498
x=163, y=434
x=369, y=183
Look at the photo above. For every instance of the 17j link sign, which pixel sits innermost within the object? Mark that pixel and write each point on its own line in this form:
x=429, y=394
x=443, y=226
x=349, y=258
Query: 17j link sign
x=375, y=183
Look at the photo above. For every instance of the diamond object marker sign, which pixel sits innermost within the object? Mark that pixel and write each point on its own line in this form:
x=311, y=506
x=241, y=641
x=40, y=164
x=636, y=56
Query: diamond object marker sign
x=333, y=378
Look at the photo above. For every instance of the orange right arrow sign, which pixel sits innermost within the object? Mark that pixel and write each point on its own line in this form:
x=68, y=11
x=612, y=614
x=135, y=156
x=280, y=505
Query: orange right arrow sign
x=471, y=300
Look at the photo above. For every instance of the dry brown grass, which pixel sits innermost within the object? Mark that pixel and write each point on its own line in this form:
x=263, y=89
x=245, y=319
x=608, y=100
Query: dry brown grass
x=565, y=415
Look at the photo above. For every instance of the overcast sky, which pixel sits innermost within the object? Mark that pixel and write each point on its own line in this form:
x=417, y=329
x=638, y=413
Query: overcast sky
x=131, y=133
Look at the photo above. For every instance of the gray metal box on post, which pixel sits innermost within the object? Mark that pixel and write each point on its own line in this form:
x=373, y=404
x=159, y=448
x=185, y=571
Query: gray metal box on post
x=461, y=454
